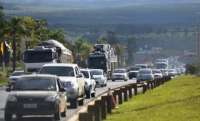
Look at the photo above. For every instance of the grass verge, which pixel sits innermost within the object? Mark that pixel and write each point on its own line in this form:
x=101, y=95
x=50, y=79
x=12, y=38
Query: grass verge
x=177, y=100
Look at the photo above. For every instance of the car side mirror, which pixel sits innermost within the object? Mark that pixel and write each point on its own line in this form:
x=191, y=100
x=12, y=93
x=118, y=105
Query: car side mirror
x=62, y=90
x=79, y=76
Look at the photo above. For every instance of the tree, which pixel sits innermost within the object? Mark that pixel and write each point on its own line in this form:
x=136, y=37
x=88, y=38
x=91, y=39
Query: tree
x=82, y=49
x=57, y=34
x=102, y=40
x=17, y=29
x=119, y=49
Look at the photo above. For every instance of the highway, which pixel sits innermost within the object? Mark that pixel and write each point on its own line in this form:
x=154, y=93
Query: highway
x=70, y=112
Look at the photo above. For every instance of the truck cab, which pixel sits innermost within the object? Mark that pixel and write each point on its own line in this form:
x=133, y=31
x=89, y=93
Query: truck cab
x=50, y=51
x=35, y=58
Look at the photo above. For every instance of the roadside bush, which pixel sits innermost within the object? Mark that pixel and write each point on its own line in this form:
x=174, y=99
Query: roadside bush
x=192, y=69
x=3, y=77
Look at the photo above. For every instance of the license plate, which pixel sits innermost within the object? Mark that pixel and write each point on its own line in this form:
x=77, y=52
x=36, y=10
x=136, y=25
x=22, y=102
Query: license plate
x=30, y=106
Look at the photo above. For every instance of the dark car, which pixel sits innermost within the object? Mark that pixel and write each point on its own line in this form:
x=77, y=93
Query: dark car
x=36, y=95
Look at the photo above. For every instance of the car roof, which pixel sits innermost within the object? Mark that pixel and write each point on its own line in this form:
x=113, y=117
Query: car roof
x=84, y=69
x=60, y=65
x=145, y=69
x=120, y=69
x=96, y=69
x=38, y=75
x=156, y=70
x=18, y=71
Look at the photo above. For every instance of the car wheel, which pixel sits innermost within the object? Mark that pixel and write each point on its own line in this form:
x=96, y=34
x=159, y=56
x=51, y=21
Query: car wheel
x=63, y=114
x=113, y=80
x=81, y=102
x=57, y=116
x=19, y=117
x=74, y=103
x=8, y=117
x=88, y=94
x=93, y=94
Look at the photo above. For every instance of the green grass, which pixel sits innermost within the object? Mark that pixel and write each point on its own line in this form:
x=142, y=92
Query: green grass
x=177, y=100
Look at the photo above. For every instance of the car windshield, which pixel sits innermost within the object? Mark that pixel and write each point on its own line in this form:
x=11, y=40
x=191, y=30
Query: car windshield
x=134, y=69
x=38, y=56
x=156, y=71
x=120, y=71
x=58, y=71
x=171, y=70
x=38, y=84
x=145, y=72
x=96, y=72
x=85, y=73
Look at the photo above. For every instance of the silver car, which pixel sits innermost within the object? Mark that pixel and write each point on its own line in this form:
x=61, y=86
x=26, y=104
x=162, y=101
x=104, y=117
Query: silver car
x=99, y=77
x=145, y=75
x=90, y=83
x=36, y=95
x=120, y=74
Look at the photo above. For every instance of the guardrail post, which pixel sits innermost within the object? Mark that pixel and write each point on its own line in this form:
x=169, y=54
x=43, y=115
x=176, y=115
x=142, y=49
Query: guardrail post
x=135, y=89
x=96, y=110
x=125, y=93
x=144, y=88
x=109, y=102
x=86, y=116
x=130, y=93
x=104, y=106
x=115, y=96
x=120, y=98
x=98, y=104
x=152, y=85
x=148, y=85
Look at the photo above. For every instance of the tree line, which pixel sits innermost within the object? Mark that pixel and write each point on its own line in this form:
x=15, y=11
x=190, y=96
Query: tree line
x=24, y=32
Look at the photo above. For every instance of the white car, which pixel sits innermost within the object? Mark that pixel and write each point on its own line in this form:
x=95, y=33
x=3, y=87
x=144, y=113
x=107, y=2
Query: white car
x=157, y=73
x=120, y=74
x=145, y=75
x=14, y=76
x=71, y=78
x=172, y=72
x=90, y=83
x=99, y=77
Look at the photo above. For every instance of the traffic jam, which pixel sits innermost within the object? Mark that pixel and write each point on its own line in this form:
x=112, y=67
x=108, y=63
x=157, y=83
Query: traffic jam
x=51, y=84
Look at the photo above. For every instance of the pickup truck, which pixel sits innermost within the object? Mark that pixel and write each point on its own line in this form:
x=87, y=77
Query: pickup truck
x=72, y=80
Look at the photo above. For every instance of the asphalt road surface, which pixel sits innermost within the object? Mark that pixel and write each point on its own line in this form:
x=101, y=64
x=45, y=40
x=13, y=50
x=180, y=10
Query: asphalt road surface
x=70, y=112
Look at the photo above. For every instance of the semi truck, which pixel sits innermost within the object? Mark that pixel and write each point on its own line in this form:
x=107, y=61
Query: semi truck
x=102, y=57
x=163, y=65
x=50, y=51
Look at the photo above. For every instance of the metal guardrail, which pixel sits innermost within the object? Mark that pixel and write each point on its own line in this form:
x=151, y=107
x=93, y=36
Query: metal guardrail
x=98, y=108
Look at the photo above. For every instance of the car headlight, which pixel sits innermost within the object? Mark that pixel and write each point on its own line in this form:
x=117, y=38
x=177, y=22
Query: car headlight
x=12, y=98
x=50, y=99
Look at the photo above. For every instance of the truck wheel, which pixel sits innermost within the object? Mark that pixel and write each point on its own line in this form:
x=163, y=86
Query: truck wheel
x=57, y=116
x=63, y=114
x=74, y=103
x=8, y=117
